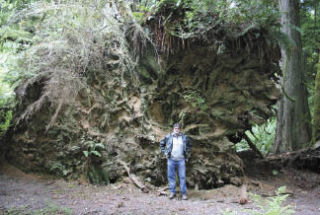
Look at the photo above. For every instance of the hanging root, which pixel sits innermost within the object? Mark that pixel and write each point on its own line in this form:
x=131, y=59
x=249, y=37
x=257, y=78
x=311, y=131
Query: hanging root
x=54, y=117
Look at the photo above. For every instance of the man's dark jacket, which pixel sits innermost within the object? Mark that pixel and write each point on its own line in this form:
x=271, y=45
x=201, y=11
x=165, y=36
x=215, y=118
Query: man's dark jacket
x=166, y=145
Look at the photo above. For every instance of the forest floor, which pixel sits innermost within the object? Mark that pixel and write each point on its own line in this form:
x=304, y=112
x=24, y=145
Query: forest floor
x=22, y=193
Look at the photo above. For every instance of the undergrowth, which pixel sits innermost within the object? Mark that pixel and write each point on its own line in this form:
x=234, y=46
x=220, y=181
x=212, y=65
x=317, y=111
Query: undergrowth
x=267, y=206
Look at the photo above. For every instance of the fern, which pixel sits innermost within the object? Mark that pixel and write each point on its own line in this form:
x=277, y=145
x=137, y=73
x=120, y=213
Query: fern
x=273, y=205
x=92, y=148
x=262, y=136
x=269, y=206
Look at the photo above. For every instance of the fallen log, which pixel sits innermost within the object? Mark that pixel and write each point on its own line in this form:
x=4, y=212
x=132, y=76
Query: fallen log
x=308, y=159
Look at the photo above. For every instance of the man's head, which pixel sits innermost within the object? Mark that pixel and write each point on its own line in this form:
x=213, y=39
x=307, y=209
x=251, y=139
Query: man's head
x=176, y=128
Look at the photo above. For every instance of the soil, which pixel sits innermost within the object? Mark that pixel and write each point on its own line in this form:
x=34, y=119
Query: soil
x=22, y=193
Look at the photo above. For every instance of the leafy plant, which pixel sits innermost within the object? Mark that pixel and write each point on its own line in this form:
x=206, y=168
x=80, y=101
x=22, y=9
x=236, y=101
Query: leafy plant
x=93, y=149
x=92, y=154
x=5, y=120
x=262, y=136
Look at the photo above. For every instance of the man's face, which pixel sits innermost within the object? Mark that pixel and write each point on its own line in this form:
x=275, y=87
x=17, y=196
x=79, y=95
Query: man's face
x=176, y=130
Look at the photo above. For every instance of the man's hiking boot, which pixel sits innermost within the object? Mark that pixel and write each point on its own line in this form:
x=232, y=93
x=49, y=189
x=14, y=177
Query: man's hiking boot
x=172, y=195
x=184, y=197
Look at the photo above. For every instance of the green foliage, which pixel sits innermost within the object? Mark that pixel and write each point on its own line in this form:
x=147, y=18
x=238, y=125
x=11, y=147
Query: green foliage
x=87, y=151
x=16, y=35
x=262, y=136
x=273, y=205
x=242, y=146
x=6, y=102
x=15, y=38
x=95, y=174
x=5, y=121
x=93, y=149
x=268, y=206
x=187, y=18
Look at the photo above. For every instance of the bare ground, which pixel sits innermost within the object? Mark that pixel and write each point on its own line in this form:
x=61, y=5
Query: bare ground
x=22, y=193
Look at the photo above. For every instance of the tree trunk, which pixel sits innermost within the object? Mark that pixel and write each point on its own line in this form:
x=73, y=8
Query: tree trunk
x=315, y=17
x=293, y=124
x=316, y=116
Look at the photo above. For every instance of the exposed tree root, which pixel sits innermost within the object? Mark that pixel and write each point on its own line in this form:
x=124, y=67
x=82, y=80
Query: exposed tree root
x=134, y=178
x=243, y=194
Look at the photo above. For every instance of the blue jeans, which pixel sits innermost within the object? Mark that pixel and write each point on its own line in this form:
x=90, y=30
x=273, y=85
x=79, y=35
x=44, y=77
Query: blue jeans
x=181, y=164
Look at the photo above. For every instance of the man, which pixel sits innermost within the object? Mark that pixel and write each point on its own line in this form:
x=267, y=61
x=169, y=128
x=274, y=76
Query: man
x=176, y=146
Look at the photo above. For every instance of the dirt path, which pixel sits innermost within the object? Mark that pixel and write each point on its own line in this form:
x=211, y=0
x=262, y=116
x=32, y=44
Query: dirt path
x=30, y=194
